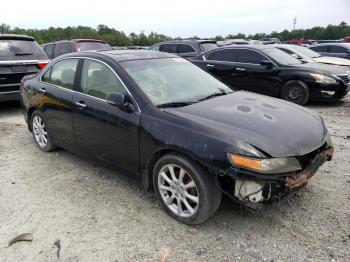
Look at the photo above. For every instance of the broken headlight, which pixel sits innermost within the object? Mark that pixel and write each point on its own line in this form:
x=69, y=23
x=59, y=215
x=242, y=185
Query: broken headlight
x=329, y=142
x=265, y=165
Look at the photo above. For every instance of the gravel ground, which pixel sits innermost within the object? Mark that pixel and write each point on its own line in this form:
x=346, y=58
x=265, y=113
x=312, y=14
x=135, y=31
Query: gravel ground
x=79, y=211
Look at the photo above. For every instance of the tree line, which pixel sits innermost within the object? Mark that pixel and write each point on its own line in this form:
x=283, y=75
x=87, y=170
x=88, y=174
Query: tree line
x=118, y=38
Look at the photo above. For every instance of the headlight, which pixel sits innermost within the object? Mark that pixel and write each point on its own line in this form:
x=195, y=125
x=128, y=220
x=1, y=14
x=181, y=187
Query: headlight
x=265, y=165
x=322, y=79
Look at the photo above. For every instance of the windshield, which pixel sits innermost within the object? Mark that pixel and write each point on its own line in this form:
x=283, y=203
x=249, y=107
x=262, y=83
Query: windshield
x=19, y=49
x=173, y=80
x=281, y=57
x=208, y=46
x=84, y=46
x=306, y=51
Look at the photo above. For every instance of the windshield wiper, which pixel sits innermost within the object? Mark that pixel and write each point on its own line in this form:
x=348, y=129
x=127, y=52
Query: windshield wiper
x=221, y=93
x=175, y=104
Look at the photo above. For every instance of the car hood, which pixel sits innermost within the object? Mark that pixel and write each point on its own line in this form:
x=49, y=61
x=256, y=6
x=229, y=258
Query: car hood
x=275, y=127
x=322, y=68
x=332, y=60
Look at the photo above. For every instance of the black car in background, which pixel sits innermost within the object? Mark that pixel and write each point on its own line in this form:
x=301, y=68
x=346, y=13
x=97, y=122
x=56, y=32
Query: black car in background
x=20, y=55
x=270, y=71
x=341, y=50
x=185, y=48
x=62, y=47
x=185, y=133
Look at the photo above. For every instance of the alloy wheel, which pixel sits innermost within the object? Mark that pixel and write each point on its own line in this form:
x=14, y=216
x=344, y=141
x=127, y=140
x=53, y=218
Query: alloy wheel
x=178, y=190
x=39, y=131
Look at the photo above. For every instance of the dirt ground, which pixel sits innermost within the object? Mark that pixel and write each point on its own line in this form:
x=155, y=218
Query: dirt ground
x=78, y=211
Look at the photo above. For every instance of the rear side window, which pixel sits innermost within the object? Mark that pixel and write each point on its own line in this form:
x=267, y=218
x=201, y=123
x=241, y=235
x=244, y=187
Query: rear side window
x=98, y=80
x=208, y=46
x=49, y=50
x=63, y=48
x=250, y=56
x=62, y=73
x=338, y=49
x=20, y=49
x=319, y=48
x=228, y=55
x=183, y=48
x=169, y=48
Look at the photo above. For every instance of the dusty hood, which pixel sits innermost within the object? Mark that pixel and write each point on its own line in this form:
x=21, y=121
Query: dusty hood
x=332, y=60
x=274, y=126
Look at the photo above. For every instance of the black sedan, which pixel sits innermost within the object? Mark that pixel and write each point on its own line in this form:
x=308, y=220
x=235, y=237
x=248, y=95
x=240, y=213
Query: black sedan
x=270, y=71
x=185, y=133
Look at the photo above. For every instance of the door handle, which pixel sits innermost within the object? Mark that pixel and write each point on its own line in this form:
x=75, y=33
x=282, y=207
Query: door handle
x=240, y=69
x=42, y=90
x=80, y=104
x=210, y=65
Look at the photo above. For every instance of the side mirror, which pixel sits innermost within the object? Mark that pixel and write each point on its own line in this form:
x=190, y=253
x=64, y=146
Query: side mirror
x=117, y=100
x=268, y=64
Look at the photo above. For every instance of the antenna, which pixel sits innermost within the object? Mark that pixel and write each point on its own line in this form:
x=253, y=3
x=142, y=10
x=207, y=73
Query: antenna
x=294, y=22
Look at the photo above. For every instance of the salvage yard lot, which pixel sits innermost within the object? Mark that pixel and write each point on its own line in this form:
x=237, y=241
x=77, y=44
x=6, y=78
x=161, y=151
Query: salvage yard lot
x=95, y=214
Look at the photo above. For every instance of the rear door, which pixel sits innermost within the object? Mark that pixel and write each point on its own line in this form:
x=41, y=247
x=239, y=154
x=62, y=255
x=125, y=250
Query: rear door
x=54, y=96
x=322, y=49
x=221, y=63
x=254, y=77
x=105, y=131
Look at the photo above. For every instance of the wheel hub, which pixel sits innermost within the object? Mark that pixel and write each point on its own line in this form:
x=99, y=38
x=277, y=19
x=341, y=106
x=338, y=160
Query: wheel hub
x=178, y=190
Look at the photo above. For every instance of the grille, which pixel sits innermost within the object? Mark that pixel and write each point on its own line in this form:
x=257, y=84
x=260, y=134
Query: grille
x=344, y=78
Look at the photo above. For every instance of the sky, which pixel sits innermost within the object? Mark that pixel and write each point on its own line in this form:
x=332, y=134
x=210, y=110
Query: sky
x=174, y=18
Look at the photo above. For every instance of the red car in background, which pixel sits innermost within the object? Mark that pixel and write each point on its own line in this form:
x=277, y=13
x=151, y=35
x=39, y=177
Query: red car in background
x=346, y=39
x=303, y=42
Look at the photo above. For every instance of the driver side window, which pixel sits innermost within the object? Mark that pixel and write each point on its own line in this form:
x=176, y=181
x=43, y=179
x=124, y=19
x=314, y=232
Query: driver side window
x=98, y=80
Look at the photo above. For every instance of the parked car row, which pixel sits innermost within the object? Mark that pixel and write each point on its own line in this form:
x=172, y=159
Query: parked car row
x=187, y=125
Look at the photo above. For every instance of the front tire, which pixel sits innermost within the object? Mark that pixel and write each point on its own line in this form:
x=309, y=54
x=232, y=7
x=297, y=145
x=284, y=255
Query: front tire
x=186, y=190
x=41, y=136
x=295, y=91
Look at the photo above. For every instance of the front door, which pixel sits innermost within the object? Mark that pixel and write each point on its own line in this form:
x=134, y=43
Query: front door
x=105, y=131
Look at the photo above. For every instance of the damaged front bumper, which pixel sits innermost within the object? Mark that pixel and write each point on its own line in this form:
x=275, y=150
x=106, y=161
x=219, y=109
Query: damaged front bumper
x=253, y=189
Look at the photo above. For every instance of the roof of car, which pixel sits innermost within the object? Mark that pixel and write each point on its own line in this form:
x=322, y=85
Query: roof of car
x=129, y=54
x=189, y=41
x=347, y=45
x=76, y=40
x=16, y=37
x=259, y=47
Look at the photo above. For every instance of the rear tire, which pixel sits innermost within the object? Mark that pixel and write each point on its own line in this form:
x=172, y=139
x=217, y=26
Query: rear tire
x=295, y=91
x=186, y=190
x=41, y=135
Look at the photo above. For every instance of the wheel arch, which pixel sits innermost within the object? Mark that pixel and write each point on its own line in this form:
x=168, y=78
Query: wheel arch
x=147, y=172
x=29, y=116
